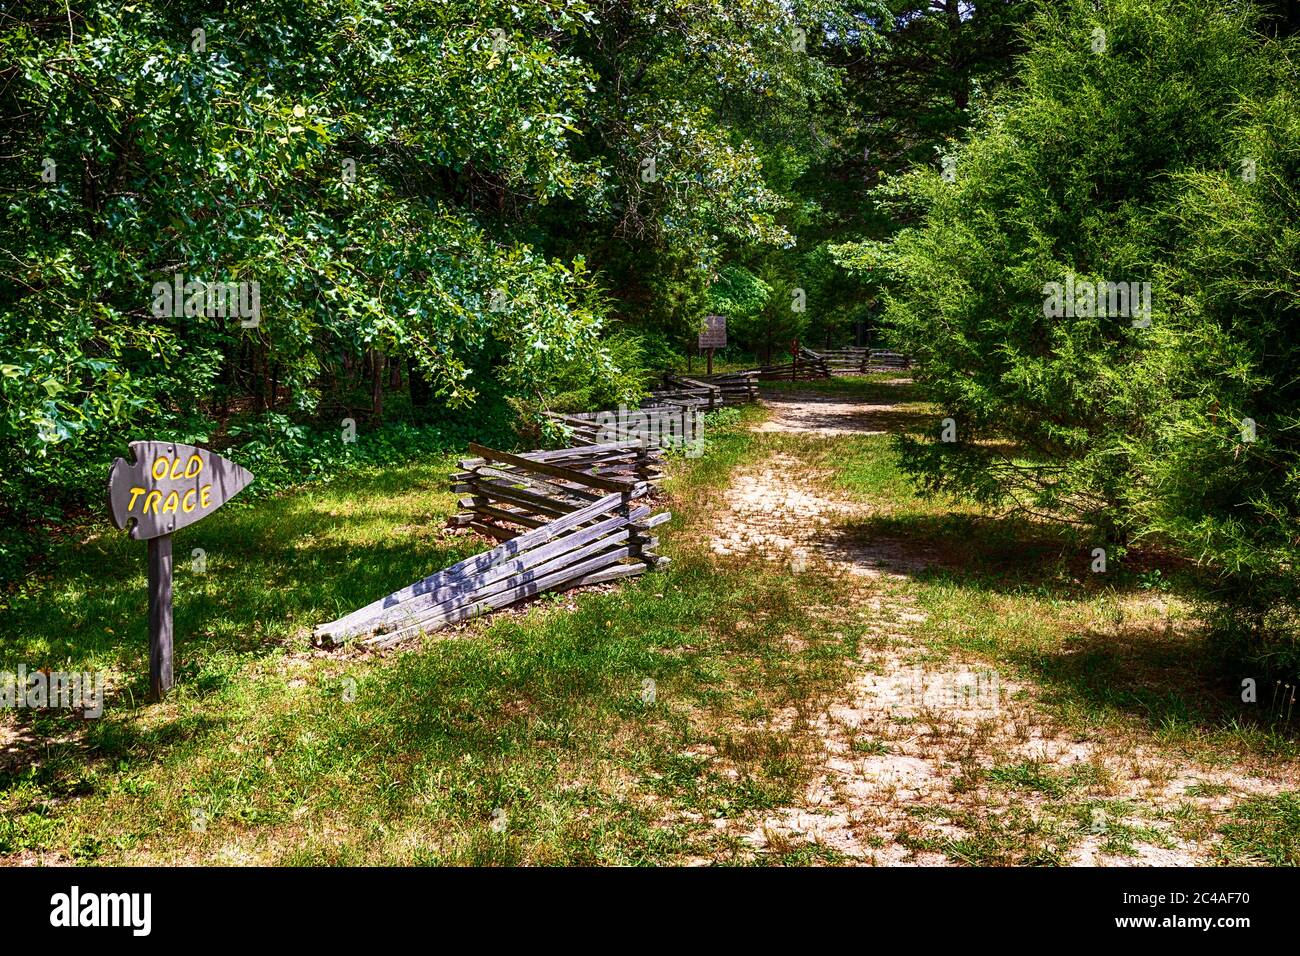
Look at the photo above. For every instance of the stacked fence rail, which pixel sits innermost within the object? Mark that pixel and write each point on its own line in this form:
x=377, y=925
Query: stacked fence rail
x=689, y=391
x=805, y=366
x=665, y=425
x=565, y=518
x=735, y=387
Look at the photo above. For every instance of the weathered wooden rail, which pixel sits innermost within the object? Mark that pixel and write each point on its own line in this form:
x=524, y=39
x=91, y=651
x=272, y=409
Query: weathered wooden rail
x=566, y=518
x=861, y=361
x=689, y=391
x=736, y=387
x=806, y=366
x=884, y=359
x=658, y=424
x=847, y=361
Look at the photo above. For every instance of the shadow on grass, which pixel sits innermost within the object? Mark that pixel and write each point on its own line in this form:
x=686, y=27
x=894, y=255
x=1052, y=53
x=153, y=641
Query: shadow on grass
x=1100, y=657
x=1168, y=679
x=1004, y=554
x=458, y=729
x=68, y=746
x=244, y=580
x=872, y=389
x=805, y=414
x=1162, y=674
x=1013, y=554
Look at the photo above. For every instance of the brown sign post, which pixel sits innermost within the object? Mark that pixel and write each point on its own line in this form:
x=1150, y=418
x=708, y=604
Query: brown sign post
x=713, y=336
x=169, y=486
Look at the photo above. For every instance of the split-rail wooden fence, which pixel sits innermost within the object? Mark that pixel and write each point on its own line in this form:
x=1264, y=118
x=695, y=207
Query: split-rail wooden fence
x=849, y=361
x=565, y=518
x=805, y=366
x=860, y=361
x=573, y=516
x=650, y=424
x=736, y=387
x=689, y=391
x=884, y=359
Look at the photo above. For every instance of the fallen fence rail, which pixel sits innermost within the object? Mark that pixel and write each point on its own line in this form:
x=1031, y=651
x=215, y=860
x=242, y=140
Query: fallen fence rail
x=566, y=518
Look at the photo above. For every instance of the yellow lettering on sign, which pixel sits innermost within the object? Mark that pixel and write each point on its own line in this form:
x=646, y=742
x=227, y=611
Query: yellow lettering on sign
x=196, y=463
x=135, y=493
x=204, y=495
x=187, y=504
x=152, y=499
x=170, y=504
x=159, y=475
x=176, y=470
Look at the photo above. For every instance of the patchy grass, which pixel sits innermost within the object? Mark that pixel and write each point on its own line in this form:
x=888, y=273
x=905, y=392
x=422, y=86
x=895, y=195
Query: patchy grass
x=648, y=723
x=1264, y=830
x=527, y=738
x=1034, y=775
x=1120, y=647
x=1117, y=671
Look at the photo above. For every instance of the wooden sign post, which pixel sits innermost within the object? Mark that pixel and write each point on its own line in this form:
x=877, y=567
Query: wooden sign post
x=168, y=486
x=713, y=336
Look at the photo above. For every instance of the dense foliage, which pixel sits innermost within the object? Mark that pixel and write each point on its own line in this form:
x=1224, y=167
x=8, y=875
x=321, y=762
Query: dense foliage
x=243, y=224
x=1147, y=142
x=439, y=202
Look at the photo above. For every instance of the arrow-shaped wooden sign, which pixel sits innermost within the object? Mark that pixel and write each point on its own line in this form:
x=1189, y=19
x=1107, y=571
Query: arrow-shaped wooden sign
x=168, y=486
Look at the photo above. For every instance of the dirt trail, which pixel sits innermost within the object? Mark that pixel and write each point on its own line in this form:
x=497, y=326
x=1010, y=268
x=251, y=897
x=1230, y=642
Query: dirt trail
x=907, y=751
x=822, y=415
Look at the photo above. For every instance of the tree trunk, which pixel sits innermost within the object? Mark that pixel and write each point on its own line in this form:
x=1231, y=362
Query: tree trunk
x=421, y=392
x=259, y=378
x=377, y=386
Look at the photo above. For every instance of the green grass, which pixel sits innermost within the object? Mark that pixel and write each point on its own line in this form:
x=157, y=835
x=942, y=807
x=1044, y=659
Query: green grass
x=521, y=739
x=526, y=738
x=1265, y=830
x=1119, y=647
x=1038, y=777
x=876, y=388
x=265, y=570
x=1114, y=658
